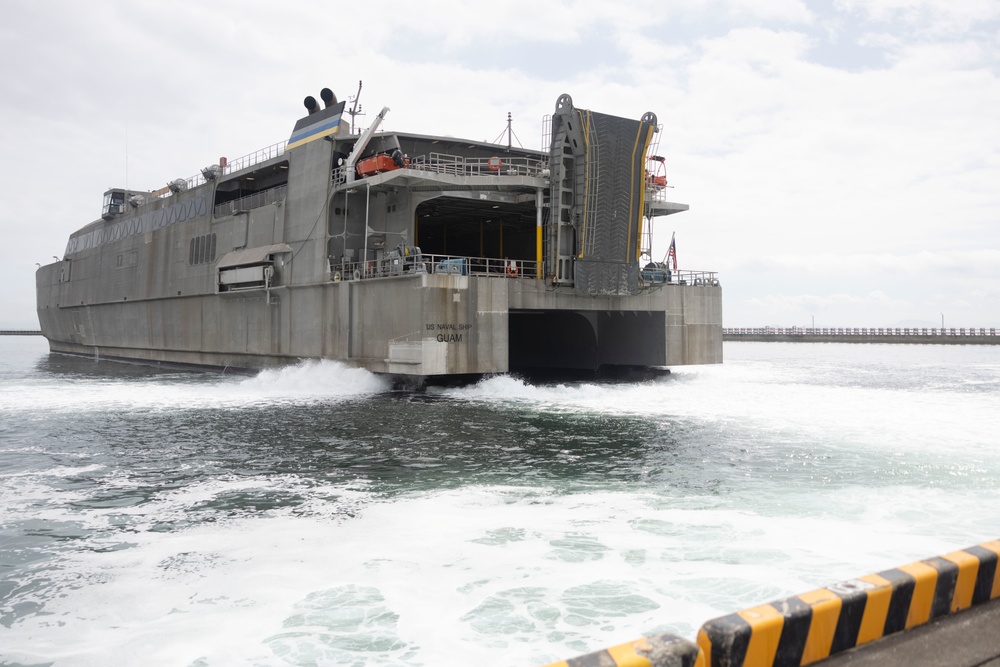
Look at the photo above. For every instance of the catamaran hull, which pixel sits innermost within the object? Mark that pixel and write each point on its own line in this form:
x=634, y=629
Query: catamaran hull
x=422, y=325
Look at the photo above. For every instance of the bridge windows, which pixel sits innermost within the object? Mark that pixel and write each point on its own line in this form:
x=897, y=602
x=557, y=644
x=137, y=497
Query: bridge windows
x=114, y=204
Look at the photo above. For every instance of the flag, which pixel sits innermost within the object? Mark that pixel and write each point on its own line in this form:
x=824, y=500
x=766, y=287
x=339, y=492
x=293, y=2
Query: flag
x=672, y=253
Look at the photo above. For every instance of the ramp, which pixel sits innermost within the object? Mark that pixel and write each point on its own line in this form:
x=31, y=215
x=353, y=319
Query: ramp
x=597, y=198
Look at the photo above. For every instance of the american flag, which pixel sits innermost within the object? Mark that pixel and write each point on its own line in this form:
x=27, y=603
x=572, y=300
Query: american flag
x=672, y=253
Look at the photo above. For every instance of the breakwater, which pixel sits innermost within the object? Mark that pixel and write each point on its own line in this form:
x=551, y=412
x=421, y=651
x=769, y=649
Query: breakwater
x=20, y=332
x=911, y=335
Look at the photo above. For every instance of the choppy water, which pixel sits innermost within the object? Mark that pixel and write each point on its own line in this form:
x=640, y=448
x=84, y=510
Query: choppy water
x=312, y=516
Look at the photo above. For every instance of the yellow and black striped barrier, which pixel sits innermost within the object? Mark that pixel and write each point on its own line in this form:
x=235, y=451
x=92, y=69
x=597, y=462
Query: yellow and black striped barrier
x=803, y=629
x=663, y=650
x=806, y=628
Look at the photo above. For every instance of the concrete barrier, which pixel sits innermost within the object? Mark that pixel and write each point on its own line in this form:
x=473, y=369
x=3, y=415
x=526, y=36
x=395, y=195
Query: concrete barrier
x=661, y=650
x=806, y=628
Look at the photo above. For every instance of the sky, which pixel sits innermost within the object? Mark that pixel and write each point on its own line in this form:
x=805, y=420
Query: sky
x=841, y=159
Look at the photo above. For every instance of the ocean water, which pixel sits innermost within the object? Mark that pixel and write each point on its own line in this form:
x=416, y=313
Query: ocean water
x=313, y=516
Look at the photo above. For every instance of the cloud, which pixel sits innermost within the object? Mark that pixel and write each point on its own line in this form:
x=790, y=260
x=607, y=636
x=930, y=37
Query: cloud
x=836, y=149
x=875, y=308
x=840, y=309
x=789, y=11
x=932, y=17
x=780, y=302
x=981, y=262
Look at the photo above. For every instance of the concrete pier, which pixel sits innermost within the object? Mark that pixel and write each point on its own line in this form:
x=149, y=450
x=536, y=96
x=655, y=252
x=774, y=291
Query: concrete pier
x=906, y=335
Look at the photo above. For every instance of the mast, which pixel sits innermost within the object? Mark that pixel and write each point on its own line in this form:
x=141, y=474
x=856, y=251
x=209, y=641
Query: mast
x=509, y=131
x=355, y=110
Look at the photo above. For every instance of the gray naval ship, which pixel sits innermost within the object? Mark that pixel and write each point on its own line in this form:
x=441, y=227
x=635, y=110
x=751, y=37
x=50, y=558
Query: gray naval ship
x=422, y=257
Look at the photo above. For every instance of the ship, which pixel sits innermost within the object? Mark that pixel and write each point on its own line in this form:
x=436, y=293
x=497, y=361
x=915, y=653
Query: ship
x=416, y=256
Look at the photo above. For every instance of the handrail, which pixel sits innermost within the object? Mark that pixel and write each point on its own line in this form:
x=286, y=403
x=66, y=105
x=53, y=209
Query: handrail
x=655, y=276
x=439, y=163
x=239, y=164
x=262, y=155
x=458, y=165
x=485, y=266
x=430, y=263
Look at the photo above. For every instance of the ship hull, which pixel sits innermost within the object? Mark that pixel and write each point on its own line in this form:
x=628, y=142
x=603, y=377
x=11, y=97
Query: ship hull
x=455, y=262
x=420, y=325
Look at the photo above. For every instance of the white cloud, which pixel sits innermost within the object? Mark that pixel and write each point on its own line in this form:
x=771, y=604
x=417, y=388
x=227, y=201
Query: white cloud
x=875, y=308
x=790, y=11
x=813, y=302
x=798, y=173
x=982, y=262
x=927, y=16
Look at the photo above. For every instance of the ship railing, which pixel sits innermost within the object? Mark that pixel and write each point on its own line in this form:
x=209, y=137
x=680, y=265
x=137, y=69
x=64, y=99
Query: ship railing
x=458, y=165
x=255, y=158
x=657, y=193
x=232, y=166
x=661, y=276
x=440, y=163
x=859, y=331
x=256, y=200
x=424, y=263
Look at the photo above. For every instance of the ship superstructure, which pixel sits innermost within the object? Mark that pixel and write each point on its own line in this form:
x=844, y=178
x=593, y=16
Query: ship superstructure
x=406, y=254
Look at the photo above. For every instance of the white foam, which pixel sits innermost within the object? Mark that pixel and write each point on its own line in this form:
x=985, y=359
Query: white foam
x=515, y=389
x=478, y=574
x=769, y=398
x=313, y=378
x=516, y=574
x=308, y=381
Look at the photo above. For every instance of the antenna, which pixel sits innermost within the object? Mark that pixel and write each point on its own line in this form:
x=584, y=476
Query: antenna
x=509, y=131
x=355, y=110
x=126, y=155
